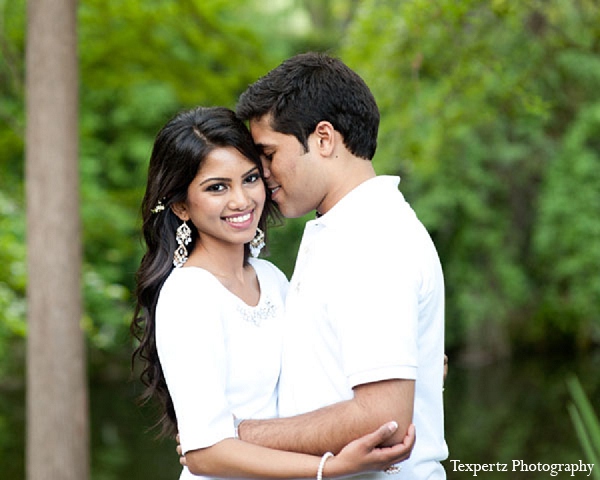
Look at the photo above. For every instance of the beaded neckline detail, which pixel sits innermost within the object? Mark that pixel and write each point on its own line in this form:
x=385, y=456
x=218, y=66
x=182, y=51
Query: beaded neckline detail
x=256, y=315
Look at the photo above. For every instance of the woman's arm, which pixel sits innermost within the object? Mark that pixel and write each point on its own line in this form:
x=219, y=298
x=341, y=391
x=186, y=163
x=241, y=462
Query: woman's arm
x=236, y=458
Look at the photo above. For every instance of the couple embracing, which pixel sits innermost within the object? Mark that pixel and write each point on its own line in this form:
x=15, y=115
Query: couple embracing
x=326, y=375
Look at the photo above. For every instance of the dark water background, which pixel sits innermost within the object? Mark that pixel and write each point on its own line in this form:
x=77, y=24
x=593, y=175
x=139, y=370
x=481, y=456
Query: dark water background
x=495, y=412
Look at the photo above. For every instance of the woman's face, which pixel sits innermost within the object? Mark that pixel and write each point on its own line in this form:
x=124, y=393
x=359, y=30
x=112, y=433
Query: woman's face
x=226, y=198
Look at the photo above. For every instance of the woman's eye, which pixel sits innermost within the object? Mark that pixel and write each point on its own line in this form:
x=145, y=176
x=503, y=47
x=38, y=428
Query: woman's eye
x=268, y=157
x=252, y=178
x=217, y=187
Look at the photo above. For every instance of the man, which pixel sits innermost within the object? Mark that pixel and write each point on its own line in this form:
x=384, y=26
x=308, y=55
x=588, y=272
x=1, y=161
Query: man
x=365, y=311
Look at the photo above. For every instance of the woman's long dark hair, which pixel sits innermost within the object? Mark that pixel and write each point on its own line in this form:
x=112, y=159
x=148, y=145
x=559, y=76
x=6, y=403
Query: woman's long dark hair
x=179, y=150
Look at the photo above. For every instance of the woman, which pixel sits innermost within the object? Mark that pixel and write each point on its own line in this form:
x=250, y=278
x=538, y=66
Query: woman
x=207, y=314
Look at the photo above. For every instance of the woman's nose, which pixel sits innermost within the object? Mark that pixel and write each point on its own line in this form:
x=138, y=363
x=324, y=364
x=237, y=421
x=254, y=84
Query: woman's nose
x=239, y=199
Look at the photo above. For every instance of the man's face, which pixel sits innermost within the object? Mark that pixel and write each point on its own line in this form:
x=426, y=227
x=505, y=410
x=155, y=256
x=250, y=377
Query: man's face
x=292, y=175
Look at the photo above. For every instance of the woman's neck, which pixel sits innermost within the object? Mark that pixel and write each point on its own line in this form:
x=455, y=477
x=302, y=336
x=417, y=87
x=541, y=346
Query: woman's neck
x=227, y=265
x=223, y=261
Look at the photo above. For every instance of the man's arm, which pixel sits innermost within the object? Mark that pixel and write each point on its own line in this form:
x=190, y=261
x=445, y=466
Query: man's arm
x=332, y=427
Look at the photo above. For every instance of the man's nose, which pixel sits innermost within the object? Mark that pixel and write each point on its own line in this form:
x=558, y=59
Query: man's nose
x=266, y=164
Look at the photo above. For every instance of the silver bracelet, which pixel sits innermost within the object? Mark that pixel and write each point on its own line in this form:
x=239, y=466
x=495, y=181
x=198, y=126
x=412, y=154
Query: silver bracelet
x=393, y=469
x=322, y=465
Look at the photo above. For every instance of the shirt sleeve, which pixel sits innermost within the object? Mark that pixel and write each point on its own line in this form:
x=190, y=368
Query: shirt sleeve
x=376, y=319
x=191, y=348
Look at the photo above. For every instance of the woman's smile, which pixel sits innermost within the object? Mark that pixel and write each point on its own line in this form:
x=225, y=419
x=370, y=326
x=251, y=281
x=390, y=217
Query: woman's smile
x=241, y=220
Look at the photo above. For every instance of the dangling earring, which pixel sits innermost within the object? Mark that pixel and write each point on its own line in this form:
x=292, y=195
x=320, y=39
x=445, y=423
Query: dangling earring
x=183, y=237
x=257, y=243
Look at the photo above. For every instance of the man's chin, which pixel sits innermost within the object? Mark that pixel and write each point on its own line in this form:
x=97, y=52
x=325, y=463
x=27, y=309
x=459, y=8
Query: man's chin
x=291, y=212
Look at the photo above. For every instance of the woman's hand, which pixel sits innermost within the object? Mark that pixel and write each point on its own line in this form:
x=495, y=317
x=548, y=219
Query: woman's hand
x=363, y=454
x=180, y=452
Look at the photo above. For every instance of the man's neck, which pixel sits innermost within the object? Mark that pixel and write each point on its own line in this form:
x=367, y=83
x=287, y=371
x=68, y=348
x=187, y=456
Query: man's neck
x=348, y=176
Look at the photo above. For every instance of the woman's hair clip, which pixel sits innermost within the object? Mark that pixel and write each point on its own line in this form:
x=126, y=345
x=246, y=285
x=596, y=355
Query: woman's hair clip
x=160, y=206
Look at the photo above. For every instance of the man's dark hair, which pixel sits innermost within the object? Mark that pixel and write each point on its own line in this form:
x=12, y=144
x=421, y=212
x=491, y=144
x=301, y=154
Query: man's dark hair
x=309, y=88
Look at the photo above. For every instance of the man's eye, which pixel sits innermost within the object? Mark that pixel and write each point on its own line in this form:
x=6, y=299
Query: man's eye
x=268, y=157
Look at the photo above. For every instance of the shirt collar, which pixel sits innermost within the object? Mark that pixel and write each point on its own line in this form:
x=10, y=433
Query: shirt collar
x=354, y=201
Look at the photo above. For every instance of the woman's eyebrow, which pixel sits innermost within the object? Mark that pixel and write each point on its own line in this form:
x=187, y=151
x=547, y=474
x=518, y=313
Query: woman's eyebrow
x=215, y=179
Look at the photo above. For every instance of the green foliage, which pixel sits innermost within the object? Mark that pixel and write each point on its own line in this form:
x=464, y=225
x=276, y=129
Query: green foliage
x=12, y=67
x=567, y=237
x=12, y=282
x=585, y=422
x=488, y=112
x=12, y=207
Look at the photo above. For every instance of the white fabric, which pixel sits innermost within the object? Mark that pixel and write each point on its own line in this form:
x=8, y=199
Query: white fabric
x=219, y=356
x=366, y=303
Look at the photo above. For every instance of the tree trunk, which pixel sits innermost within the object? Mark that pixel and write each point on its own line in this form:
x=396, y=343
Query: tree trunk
x=57, y=401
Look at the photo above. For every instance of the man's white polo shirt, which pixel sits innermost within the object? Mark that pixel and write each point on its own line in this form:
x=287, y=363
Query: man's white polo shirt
x=366, y=303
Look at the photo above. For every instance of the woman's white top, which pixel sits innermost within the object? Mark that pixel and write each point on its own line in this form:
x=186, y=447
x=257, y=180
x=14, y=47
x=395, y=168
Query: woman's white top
x=220, y=357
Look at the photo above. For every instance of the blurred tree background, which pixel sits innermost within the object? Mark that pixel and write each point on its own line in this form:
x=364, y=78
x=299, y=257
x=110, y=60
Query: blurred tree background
x=490, y=114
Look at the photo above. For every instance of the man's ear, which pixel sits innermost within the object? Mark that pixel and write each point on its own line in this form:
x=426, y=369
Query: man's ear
x=325, y=137
x=180, y=210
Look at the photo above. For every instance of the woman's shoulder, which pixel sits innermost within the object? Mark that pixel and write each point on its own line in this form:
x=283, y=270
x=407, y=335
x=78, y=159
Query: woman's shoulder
x=270, y=276
x=189, y=279
x=265, y=267
x=272, y=280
